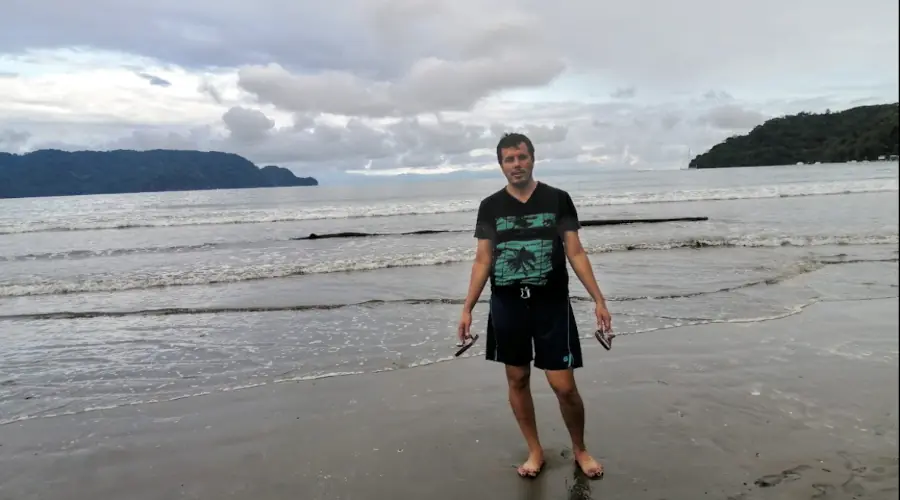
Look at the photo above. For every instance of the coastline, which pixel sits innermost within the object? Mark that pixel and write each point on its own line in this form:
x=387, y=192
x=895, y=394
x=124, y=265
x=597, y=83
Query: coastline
x=787, y=408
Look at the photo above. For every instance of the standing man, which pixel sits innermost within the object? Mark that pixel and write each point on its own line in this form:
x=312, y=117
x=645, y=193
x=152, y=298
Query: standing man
x=526, y=232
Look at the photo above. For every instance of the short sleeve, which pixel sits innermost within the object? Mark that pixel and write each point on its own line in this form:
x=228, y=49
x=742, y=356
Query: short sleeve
x=568, y=214
x=484, y=223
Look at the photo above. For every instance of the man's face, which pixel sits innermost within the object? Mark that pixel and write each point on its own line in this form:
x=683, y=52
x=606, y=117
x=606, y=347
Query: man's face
x=517, y=164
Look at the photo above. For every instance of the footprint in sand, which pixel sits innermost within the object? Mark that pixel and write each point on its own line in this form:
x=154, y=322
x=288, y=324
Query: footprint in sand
x=857, y=479
x=785, y=476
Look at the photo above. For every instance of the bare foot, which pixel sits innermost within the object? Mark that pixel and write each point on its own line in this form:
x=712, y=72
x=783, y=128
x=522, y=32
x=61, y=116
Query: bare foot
x=591, y=468
x=533, y=466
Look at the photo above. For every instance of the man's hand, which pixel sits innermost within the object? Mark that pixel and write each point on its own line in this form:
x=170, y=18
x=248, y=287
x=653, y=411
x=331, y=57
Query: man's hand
x=464, y=328
x=604, y=320
x=481, y=269
x=582, y=267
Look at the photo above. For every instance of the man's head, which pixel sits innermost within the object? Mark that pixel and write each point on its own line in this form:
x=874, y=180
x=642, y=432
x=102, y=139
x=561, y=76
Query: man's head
x=515, y=153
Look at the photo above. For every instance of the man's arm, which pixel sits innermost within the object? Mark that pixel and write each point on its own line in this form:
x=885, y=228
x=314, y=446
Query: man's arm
x=578, y=258
x=569, y=226
x=484, y=255
x=481, y=269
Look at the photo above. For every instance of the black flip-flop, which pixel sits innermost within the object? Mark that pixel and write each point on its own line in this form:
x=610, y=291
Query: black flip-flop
x=604, y=339
x=466, y=346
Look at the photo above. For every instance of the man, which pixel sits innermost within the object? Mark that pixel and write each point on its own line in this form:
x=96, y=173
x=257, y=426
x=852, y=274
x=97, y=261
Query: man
x=526, y=232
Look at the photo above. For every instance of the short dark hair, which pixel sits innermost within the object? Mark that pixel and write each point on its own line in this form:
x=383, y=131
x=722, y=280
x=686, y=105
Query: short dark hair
x=512, y=140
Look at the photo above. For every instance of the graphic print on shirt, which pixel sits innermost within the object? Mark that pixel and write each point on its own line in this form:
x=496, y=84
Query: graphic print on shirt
x=524, y=261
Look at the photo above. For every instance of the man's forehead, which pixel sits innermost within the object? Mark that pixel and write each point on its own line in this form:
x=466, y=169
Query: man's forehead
x=512, y=150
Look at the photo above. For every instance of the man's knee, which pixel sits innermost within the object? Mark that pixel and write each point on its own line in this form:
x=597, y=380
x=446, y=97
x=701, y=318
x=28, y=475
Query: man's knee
x=518, y=377
x=563, y=384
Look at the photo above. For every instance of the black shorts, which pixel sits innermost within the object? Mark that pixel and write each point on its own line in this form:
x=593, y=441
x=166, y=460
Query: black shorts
x=540, y=328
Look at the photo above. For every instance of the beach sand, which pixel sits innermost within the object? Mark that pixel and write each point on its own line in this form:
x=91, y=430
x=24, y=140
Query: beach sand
x=795, y=408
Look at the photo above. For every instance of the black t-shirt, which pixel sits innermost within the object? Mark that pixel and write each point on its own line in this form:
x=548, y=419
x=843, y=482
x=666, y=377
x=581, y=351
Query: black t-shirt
x=528, y=238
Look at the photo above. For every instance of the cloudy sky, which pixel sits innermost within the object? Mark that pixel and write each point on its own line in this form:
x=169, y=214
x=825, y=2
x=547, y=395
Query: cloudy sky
x=375, y=87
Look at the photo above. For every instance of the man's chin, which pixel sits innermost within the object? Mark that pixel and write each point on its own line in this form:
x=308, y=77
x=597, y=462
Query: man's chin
x=519, y=182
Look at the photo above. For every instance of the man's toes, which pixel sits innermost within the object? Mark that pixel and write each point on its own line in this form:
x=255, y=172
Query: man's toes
x=525, y=471
x=595, y=472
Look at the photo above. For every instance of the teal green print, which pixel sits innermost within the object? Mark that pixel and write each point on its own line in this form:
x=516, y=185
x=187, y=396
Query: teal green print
x=525, y=262
x=525, y=221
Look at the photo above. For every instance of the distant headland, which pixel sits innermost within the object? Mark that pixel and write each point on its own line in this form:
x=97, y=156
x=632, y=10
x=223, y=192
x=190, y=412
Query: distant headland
x=863, y=133
x=51, y=172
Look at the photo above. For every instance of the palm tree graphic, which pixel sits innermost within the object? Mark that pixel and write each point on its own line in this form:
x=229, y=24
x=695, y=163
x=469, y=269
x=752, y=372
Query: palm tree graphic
x=521, y=262
x=521, y=222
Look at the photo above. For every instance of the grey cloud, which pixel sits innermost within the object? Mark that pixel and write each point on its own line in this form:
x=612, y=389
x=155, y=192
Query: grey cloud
x=546, y=134
x=557, y=151
x=719, y=96
x=621, y=133
x=663, y=45
x=303, y=121
x=155, y=80
x=12, y=141
x=425, y=63
x=420, y=159
x=412, y=142
x=441, y=137
x=197, y=138
x=208, y=88
x=730, y=117
x=247, y=125
x=624, y=93
x=198, y=34
x=657, y=43
x=430, y=85
x=670, y=120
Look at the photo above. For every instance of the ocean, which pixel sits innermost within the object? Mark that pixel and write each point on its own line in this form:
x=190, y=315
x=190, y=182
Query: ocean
x=131, y=299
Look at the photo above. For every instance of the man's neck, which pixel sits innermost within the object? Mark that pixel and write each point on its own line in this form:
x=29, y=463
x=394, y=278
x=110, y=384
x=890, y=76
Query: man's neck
x=522, y=191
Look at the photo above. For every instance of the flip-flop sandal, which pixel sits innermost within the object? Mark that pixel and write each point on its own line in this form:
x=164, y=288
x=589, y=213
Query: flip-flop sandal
x=604, y=338
x=466, y=347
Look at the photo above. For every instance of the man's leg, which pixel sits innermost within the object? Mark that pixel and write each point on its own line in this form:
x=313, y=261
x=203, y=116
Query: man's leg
x=519, y=380
x=558, y=353
x=572, y=408
x=509, y=342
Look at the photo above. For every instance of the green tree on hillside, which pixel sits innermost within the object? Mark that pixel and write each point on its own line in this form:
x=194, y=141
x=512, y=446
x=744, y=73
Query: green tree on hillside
x=864, y=132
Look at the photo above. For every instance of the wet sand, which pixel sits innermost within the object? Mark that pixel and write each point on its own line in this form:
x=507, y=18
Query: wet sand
x=796, y=408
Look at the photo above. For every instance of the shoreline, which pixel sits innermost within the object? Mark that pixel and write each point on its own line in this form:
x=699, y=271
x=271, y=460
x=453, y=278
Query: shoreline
x=477, y=352
x=702, y=411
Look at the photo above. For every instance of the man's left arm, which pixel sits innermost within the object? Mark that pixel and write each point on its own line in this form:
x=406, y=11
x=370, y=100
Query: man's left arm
x=578, y=258
x=575, y=252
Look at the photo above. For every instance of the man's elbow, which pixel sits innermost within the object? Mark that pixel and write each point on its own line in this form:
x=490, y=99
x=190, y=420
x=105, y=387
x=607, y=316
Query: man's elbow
x=483, y=257
x=575, y=252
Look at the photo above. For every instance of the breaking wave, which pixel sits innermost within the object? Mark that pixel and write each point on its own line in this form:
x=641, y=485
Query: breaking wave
x=419, y=207
x=232, y=274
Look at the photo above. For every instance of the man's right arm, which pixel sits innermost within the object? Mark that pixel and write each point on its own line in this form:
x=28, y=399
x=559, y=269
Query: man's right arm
x=481, y=270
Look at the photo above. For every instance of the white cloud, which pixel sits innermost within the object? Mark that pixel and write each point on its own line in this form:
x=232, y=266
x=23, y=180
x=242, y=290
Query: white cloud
x=415, y=86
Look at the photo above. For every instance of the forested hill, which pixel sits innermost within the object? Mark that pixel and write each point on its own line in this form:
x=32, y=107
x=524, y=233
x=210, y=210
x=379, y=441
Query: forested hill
x=864, y=132
x=50, y=172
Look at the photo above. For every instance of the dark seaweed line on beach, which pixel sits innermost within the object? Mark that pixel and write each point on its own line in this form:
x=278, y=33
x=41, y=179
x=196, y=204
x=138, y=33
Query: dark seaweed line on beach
x=82, y=254
x=175, y=311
